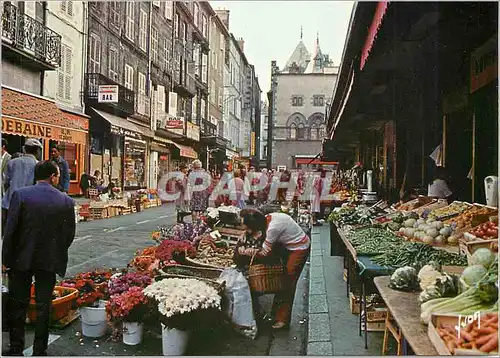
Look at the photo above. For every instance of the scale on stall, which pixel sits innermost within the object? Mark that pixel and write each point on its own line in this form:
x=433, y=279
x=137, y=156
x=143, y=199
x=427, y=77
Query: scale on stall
x=369, y=196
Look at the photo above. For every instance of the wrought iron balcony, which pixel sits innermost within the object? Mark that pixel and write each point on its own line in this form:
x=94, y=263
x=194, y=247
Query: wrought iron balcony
x=208, y=128
x=126, y=97
x=29, y=38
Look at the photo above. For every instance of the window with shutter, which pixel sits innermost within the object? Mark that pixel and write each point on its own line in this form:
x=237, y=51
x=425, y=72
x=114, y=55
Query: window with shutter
x=166, y=53
x=113, y=64
x=141, y=94
x=168, y=9
x=176, y=26
x=204, y=68
x=157, y=3
x=68, y=73
x=129, y=77
x=114, y=13
x=63, y=6
x=95, y=54
x=69, y=7
x=196, y=15
x=143, y=21
x=129, y=24
x=154, y=45
x=204, y=25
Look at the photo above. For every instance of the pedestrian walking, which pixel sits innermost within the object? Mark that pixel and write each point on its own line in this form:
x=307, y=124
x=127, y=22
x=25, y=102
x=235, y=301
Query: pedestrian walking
x=20, y=173
x=63, y=168
x=5, y=159
x=40, y=229
x=198, y=198
x=182, y=202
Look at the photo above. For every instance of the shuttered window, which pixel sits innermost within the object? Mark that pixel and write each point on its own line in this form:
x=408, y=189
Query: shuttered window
x=113, y=64
x=154, y=44
x=129, y=77
x=64, y=74
x=67, y=7
x=95, y=54
x=129, y=24
x=204, y=68
x=143, y=23
x=168, y=9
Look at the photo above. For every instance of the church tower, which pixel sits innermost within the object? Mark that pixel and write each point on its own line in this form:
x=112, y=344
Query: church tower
x=297, y=62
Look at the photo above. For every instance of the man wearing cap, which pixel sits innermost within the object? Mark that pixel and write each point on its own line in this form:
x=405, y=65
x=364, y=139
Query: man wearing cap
x=20, y=173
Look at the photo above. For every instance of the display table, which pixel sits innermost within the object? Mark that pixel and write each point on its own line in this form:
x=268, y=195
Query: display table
x=405, y=310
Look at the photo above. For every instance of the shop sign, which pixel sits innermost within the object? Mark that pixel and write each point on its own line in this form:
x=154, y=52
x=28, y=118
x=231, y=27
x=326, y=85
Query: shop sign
x=484, y=65
x=192, y=131
x=40, y=130
x=175, y=124
x=108, y=94
x=124, y=132
x=252, y=144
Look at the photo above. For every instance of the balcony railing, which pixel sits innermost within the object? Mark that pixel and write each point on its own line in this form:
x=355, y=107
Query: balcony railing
x=126, y=102
x=31, y=36
x=208, y=128
x=143, y=104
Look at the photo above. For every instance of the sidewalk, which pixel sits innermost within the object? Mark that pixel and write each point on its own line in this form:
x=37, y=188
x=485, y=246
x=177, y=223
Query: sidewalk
x=333, y=329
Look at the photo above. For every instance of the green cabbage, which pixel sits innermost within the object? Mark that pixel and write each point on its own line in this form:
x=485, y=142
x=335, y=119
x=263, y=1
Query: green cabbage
x=404, y=279
x=483, y=257
x=473, y=274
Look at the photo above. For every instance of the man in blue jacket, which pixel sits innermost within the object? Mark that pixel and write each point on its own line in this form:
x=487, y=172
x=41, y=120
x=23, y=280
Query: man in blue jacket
x=40, y=229
x=63, y=169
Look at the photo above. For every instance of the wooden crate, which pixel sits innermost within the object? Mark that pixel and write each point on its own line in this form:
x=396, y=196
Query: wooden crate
x=376, y=314
x=354, y=303
x=98, y=213
x=472, y=246
x=373, y=326
x=440, y=345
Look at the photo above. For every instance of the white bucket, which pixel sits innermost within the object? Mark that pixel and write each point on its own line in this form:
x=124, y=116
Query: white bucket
x=174, y=341
x=94, y=322
x=132, y=333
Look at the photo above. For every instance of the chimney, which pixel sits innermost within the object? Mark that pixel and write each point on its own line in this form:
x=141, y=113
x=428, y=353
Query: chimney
x=223, y=16
x=241, y=43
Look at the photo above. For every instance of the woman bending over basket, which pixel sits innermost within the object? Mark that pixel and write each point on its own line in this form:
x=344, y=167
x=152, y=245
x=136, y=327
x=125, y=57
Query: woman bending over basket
x=283, y=237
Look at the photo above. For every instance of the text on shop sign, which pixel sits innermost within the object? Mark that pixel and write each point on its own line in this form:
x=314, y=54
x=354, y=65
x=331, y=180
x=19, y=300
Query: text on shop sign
x=108, y=94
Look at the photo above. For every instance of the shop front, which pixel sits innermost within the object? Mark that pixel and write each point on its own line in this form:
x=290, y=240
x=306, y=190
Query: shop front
x=29, y=116
x=119, y=150
x=159, y=160
x=183, y=154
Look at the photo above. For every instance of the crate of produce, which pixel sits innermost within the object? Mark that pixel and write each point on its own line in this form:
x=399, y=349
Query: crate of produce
x=203, y=272
x=443, y=333
x=98, y=213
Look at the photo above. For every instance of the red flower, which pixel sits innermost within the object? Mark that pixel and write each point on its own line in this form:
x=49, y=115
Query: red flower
x=174, y=250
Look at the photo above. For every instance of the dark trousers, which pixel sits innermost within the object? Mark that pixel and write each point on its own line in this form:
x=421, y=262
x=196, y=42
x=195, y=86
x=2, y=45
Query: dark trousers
x=4, y=219
x=19, y=292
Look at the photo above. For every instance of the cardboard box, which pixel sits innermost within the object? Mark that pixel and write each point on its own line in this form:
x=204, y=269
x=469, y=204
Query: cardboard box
x=438, y=342
x=354, y=303
x=376, y=314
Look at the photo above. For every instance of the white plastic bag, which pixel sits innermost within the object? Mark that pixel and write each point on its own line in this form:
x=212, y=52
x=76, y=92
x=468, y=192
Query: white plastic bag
x=239, y=308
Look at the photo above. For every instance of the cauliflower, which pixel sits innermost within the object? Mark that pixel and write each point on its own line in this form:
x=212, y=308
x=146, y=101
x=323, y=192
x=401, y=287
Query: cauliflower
x=427, y=275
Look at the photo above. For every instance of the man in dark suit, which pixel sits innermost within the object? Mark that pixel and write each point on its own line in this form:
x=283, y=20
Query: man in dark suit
x=40, y=229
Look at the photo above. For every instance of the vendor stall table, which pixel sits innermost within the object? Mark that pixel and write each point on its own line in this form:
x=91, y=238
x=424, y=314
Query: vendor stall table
x=405, y=310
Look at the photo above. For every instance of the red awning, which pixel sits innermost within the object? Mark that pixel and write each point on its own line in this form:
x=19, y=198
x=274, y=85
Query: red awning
x=315, y=161
x=186, y=151
x=372, y=33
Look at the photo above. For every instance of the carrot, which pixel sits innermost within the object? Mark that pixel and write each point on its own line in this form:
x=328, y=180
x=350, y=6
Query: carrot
x=466, y=335
x=469, y=327
x=484, y=339
x=494, y=326
x=486, y=330
x=490, y=345
x=467, y=345
x=451, y=346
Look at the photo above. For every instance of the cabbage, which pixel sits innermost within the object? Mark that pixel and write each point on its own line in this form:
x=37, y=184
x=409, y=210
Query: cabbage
x=409, y=223
x=473, y=274
x=404, y=279
x=432, y=233
x=483, y=257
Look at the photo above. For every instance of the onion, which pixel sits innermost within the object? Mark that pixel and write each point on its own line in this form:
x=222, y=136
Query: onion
x=440, y=240
x=428, y=240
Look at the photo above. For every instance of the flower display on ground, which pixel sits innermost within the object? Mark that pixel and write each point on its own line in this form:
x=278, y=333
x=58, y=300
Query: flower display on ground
x=183, y=231
x=177, y=296
x=123, y=283
x=92, y=287
x=128, y=306
x=171, y=251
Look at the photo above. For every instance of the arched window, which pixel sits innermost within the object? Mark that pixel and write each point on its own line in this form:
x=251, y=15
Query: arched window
x=301, y=133
x=314, y=132
x=293, y=131
x=322, y=131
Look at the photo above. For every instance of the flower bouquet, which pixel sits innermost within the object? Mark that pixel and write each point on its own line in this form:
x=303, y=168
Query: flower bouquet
x=183, y=231
x=123, y=283
x=127, y=311
x=183, y=303
x=145, y=260
x=171, y=251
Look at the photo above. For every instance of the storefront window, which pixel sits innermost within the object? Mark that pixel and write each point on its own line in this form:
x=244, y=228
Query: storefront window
x=134, y=163
x=69, y=151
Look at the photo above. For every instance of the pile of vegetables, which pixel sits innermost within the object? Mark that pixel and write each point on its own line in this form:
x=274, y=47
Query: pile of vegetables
x=486, y=231
x=465, y=219
x=373, y=241
x=430, y=231
x=435, y=284
x=448, y=211
x=416, y=254
x=350, y=216
x=214, y=252
x=404, y=279
x=480, y=334
x=481, y=291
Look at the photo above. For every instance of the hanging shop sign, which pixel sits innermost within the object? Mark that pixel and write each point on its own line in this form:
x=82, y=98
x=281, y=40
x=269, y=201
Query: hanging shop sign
x=108, y=94
x=26, y=128
x=192, y=131
x=175, y=125
x=484, y=65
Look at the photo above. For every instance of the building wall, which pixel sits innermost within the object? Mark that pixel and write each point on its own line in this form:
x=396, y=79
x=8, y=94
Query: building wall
x=309, y=116
x=264, y=118
x=234, y=88
x=20, y=77
x=216, y=72
x=65, y=84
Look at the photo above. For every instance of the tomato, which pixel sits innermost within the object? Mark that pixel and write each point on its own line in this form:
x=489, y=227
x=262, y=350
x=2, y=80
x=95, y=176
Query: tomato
x=479, y=233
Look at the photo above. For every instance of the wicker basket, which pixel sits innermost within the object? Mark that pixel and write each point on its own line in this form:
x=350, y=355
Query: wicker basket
x=266, y=278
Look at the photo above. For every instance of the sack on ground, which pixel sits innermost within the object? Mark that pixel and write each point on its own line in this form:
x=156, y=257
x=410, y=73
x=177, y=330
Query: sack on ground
x=239, y=308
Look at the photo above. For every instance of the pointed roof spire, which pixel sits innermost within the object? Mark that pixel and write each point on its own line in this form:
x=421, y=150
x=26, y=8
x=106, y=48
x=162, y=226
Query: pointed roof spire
x=317, y=38
x=301, y=33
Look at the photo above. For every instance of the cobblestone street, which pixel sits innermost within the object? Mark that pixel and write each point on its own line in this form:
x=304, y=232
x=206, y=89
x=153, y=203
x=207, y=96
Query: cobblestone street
x=109, y=243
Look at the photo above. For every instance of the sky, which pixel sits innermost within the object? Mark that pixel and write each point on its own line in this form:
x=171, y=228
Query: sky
x=271, y=30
